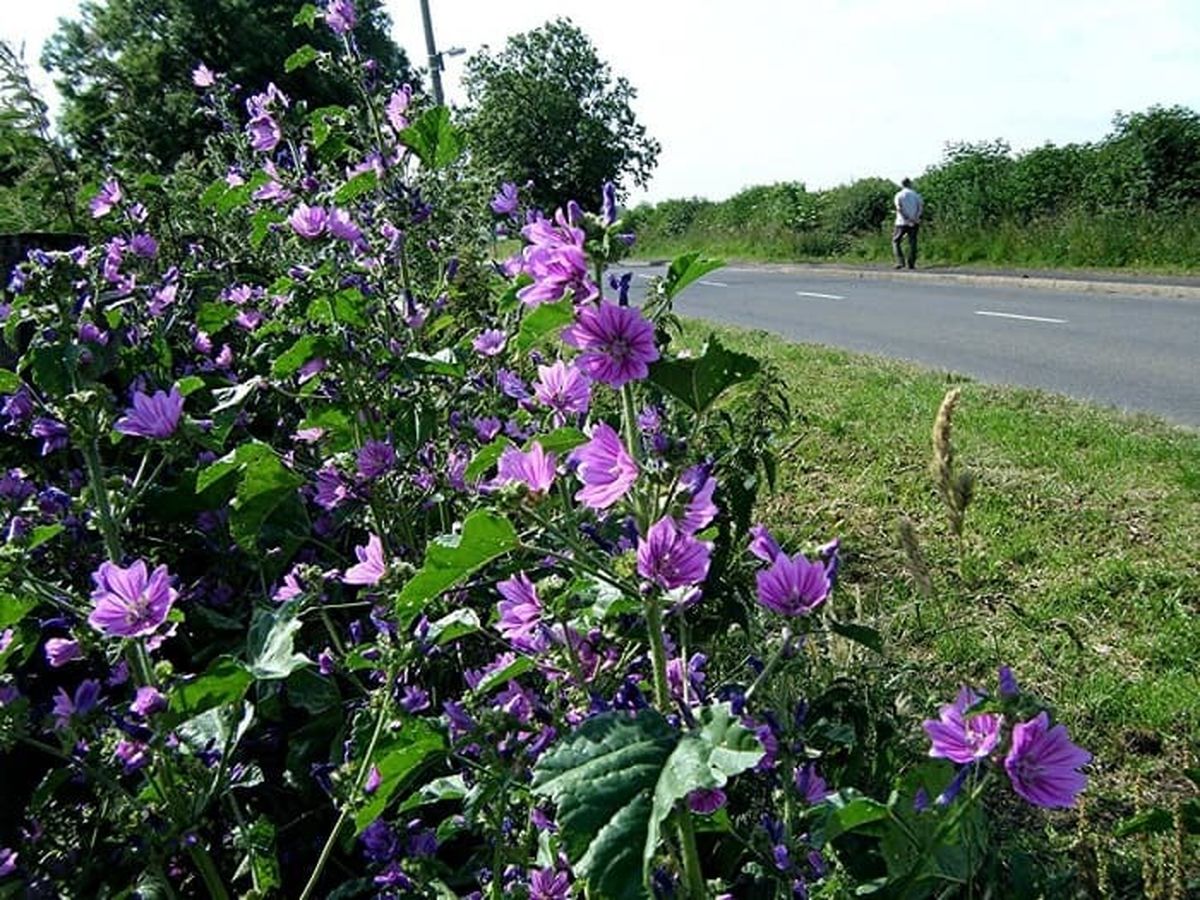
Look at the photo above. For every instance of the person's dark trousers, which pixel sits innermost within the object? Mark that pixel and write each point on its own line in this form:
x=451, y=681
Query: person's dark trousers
x=897, y=237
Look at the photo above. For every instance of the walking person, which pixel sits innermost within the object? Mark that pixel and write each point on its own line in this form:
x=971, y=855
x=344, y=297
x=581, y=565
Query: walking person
x=909, y=208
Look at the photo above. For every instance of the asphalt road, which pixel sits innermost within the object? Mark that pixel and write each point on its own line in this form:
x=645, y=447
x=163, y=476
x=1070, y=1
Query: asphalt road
x=1135, y=352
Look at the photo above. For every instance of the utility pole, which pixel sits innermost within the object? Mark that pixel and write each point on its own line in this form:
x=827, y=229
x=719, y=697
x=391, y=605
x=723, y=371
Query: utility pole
x=435, y=58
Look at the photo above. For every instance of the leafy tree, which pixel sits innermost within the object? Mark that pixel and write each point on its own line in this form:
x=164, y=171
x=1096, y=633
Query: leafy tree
x=547, y=109
x=124, y=68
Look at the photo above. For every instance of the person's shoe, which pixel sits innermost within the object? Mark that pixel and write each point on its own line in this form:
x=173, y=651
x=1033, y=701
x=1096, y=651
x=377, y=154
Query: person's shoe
x=897, y=266
x=910, y=268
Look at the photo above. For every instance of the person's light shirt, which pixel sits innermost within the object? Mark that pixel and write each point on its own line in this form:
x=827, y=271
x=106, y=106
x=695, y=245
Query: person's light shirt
x=909, y=207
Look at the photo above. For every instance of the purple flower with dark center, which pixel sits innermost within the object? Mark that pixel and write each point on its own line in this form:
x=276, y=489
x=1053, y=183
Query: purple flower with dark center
x=700, y=508
x=706, y=801
x=106, y=198
x=203, y=76
x=371, y=566
x=148, y=701
x=309, y=221
x=507, y=200
x=763, y=545
x=265, y=133
x=605, y=468
x=810, y=785
x=490, y=342
x=521, y=615
x=1043, y=764
x=342, y=227
x=961, y=738
x=52, y=433
x=608, y=210
x=144, y=245
x=152, y=417
x=793, y=586
x=534, y=469
x=616, y=343
x=60, y=651
x=396, y=106
x=375, y=459
x=66, y=707
x=130, y=602
x=549, y=884
x=563, y=388
x=341, y=16
x=670, y=558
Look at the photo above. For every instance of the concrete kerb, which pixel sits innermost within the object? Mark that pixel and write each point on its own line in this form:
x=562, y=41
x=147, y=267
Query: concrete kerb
x=1039, y=282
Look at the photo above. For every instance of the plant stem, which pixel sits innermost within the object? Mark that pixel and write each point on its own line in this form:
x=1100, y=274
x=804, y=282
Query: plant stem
x=771, y=665
x=692, y=874
x=208, y=872
x=658, y=655
x=108, y=524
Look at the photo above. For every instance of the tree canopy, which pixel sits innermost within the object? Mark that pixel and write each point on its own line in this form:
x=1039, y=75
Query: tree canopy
x=548, y=110
x=124, y=68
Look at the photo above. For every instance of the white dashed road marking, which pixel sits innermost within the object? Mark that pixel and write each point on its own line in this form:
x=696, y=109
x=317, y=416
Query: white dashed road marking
x=819, y=296
x=714, y=283
x=1004, y=315
x=644, y=277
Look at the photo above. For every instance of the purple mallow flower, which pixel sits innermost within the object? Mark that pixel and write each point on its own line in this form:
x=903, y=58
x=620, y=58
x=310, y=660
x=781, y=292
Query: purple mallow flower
x=534, y=469
x=340, y=16
x=490, y=342
x=8, y=862
x=53, y=434
x=960, y=737
x=605, y=468
x=309, y=221
x=397, y=105
x=810, y=785
x=521, y=614
x=670, y=558
x=608, y=210
x=371, y=566
x=700, y=509
x=616, y=343
x=264, y=132
x=152, y=416
x=562, y=388
x=60, y=651
x=130, y=602
x=506, y=200
x=706, y=801
x=67, y=706
x=203, y=76
x=793, y=586
x=763, y=545
x=148, y=701
x=344, y=228
x=375, y=459
x=106, y=198
x=556, y=262
x=1043, y=764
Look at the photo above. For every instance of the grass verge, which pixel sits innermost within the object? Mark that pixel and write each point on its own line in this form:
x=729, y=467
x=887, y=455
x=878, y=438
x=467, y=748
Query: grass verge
x=1079, y=567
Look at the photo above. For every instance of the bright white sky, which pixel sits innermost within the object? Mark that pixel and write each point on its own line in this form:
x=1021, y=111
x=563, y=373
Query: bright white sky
x=743, y=92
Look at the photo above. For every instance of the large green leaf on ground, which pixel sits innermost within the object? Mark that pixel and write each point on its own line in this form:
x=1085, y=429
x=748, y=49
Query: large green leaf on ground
x=450, y=559
x=602, y=779
x=699, y=381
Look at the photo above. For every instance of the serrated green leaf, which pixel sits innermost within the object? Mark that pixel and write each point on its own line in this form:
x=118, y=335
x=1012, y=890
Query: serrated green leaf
x=13, y=609
x=362, y=183
x=260, y=225
x=300, y=58
x=698, y=382
x=272, y=644
x=433, y=138
x=688, y=268
x=450, y=560
x=398, y=756
x=602, y=779
x=545, y=320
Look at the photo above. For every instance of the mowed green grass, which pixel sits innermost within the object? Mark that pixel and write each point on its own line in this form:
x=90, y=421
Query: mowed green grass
x=1081, y=559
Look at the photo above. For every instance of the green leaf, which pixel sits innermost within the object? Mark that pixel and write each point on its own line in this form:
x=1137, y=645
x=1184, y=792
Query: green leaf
x=362, y=183
x=223, y=684
x=272, y=644
x=706, y=758
x=257, y=843
x=450, y=559
x=52, y=368
x=311, y=692
x=452, y=626
x=602, y=778
x=444, y=362
x=450, y=787
x=260, y=225
x=322, y=120
x=211, y=317
x=265, y=485
x=219, y=727
x=13, y=609
x=307, y=15
x=500, y=677
x=688, y=268
x=547, y=319
x=1161, y=821
x=302, y=57
x=432, y=137
x=213, y=193
x=10, y=382
x=860, y=634
x=561, y=440
x=699, y=381
x=42, y=534
x=846, y=810
x=189, y=384
x=291, y=360
x=398, y=756
x=485, y=458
